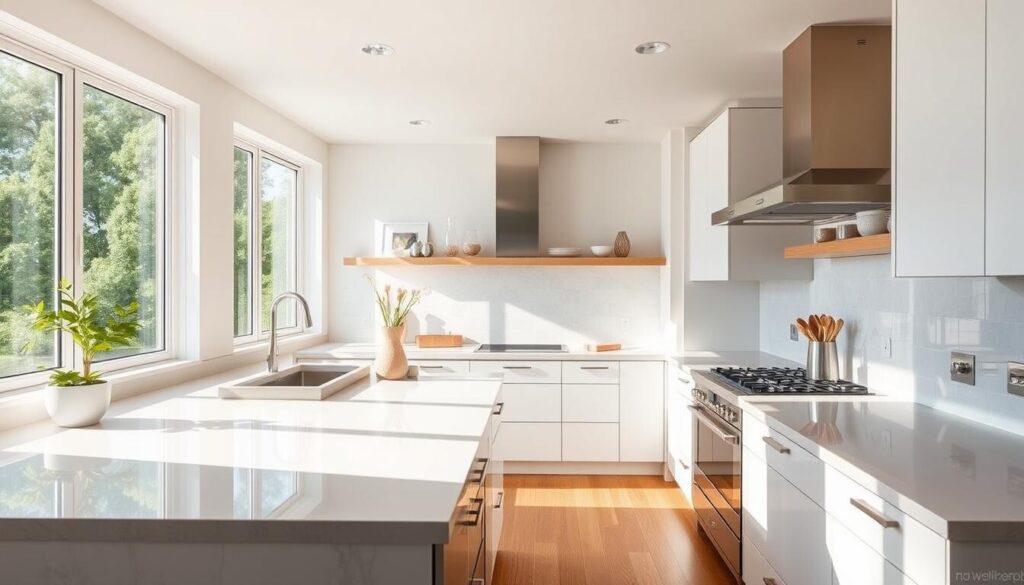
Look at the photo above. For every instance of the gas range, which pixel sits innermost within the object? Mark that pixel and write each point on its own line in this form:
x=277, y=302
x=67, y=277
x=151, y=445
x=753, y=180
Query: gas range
x=781, y=381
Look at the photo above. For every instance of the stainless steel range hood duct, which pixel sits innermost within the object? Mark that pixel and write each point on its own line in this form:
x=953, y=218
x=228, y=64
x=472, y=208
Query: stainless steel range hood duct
x=836, y=118
x=517, y=195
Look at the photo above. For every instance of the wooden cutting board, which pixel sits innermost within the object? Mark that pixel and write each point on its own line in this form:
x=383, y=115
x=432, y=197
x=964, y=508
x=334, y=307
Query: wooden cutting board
x=604, y=346
x=428, y=341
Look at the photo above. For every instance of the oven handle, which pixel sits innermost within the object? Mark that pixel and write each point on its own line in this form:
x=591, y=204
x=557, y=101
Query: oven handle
x=715, y=426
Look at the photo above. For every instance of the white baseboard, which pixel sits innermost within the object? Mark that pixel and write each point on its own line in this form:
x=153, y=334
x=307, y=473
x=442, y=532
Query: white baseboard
x=582, y=468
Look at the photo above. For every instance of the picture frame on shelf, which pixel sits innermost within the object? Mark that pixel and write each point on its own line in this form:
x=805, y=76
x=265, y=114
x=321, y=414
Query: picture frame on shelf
x=393, y=238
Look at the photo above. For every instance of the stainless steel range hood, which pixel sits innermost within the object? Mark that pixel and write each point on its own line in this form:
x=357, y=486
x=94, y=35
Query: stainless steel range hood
x=517, y=196
x=836, y=130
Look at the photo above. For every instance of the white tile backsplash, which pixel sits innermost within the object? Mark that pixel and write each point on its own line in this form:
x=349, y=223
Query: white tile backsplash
x=925, y=318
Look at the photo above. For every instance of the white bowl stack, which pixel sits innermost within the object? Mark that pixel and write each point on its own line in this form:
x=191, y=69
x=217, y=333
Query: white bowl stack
x=565, y=252
x=872, y=222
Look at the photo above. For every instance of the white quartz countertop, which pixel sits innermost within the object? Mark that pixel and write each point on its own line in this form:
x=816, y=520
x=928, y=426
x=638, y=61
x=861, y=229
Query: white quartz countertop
x=702, y=360
x=378, y=463
x=963, y=479
x=364, y=351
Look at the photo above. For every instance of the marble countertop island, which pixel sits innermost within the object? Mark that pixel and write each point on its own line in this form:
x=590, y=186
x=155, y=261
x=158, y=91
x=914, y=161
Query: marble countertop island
x=378, y=463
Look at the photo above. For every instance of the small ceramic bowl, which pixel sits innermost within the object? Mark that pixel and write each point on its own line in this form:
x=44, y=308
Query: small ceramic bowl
x=870, y=223
x=601, y=251
x=845, y=231
x=824, y=234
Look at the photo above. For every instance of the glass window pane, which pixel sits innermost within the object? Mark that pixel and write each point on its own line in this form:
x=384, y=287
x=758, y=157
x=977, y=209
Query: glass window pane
x=278, y=184
x=243, y=194
x=276, y=488
x=123, y=190
x=29, y=179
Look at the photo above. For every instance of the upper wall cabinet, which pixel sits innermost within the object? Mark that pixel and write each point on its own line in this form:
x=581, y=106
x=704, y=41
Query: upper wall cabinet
x=734, y=156
x=959, y=160
x=1004, y=138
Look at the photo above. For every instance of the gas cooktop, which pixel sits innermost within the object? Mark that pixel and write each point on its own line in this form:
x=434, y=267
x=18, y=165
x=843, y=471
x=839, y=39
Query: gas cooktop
x=521, y=348
x=782, y=381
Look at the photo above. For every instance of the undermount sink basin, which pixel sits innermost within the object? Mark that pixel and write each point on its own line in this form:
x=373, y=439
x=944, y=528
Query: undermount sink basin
x=298, y=382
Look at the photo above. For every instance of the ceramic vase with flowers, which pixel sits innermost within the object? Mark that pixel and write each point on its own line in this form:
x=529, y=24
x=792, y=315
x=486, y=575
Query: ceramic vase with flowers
x=391, y=363
x=80, y=398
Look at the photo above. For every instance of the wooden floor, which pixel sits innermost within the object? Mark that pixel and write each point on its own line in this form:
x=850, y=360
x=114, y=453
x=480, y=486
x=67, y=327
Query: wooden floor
x=602, y=530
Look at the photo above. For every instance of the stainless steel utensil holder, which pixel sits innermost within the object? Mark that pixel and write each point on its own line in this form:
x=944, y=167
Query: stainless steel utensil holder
x=822, y=361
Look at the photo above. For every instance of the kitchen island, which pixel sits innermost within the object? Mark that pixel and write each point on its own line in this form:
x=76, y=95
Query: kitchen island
x=378, y=484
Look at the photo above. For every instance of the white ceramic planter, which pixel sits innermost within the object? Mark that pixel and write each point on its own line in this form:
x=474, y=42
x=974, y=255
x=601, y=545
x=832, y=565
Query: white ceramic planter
x=77, y=406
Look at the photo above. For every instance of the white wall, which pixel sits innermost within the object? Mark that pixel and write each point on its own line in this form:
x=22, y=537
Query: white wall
x=110, y=46
x=926, y=318
x=523, y=304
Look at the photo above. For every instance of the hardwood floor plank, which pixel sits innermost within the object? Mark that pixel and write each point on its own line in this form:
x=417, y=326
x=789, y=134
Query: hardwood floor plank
x=602, y=530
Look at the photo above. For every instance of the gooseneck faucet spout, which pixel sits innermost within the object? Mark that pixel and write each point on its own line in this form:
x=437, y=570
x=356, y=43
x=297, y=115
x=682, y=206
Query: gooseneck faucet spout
x=272, y=355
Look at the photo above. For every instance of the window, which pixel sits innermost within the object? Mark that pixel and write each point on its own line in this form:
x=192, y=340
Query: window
x=82, y=161
x=265, y=264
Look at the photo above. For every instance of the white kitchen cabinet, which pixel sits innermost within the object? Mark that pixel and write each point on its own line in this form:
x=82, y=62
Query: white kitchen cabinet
x=641, y=411
x=519, y=372
x=532, y=402
x=854, y=563
x=939, y=162
x=1004, y=138
x=518, y=441
x=784, y=524
x=756, y=569
x=494, y=498
x=590, y=403
x=593, y=442
x=737, y=154
x=438, y=367
x=679, y=454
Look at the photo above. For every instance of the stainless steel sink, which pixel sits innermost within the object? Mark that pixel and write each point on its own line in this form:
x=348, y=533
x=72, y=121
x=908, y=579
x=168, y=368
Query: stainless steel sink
x=298, y=382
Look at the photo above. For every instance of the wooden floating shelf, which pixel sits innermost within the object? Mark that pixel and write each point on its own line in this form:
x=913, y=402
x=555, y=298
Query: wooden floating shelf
x=493, y=261
x=862, y=246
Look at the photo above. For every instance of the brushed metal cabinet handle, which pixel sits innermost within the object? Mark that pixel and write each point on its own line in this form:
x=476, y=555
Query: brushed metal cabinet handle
x=874, y=514
x=685, y=466
x=501, y=408
x=770, y=581
x=517, y=367
x=501, y=500
x=593, y=367
x=426, y=367
x=476, y=514
x=480, y=473
x=776, y=445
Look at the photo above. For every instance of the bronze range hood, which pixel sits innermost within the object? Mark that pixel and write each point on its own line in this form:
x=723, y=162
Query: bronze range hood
x=836, y=120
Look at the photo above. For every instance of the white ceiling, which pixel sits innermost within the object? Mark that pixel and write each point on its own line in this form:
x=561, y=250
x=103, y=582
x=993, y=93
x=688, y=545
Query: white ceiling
x=483, y=68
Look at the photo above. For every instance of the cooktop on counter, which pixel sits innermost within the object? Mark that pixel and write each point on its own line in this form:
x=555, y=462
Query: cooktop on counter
x=522, y=348
x=782, y=381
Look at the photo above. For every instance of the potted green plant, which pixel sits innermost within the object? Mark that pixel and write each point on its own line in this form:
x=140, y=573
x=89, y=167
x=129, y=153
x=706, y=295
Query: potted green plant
x=79, y=398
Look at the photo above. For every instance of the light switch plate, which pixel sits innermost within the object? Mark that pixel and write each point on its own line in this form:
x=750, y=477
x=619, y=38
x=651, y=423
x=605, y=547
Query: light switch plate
x=794, y=334
x=961, y=367
x=1015, y=378
x=885, y=347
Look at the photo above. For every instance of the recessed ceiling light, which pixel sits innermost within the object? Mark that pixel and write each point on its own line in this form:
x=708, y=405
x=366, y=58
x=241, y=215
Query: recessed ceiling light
x=419, y=122
x=378, y=49
x=616, y=121
x=652, y=48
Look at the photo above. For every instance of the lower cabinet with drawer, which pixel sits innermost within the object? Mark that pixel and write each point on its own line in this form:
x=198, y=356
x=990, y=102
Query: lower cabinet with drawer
x=806, y=523
x=590, y=441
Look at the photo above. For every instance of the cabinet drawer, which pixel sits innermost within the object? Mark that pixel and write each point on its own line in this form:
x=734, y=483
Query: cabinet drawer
x=680, y=423
x=520, y=372
x=590, y=372
x=854, y=563
x=441, y=366
x=913, y=548
x=531, y=402
x=800, y=468
x=597, y=403
x=529, y=442
x=590, y=442
x=756, y=570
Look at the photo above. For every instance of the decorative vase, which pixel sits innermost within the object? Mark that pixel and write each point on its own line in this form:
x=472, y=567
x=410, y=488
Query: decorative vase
x=621, y=245
x=391, y=363
x=77, y=406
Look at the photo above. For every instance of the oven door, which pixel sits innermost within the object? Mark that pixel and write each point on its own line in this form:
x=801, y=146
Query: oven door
x=717, y=464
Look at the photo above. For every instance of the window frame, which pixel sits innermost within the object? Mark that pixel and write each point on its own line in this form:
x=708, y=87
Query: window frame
x=258, y=152
x=70, y=204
